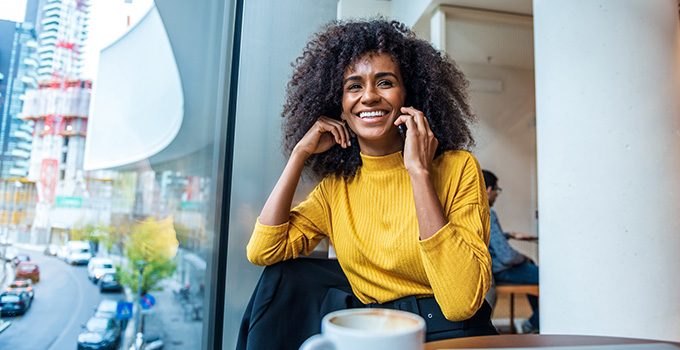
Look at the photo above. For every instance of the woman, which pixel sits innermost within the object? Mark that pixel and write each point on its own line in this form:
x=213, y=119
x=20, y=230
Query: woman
x=405, y=211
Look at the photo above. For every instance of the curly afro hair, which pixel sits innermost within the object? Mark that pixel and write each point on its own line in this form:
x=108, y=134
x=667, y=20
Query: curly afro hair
x=433, y=85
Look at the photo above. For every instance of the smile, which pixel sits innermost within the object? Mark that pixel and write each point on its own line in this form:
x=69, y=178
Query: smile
x=371, y=114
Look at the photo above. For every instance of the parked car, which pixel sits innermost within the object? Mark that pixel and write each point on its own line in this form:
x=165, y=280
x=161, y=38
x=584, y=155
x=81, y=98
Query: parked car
x=98, y=267
x=106, y=309
x=78, y=252
x=109, y=283
x=27, y=270
x=62, y=252
x=51, y=250
x=149, y=341
x=20, y=258
x=12, y=304
x=99, y=333
x=21, y=286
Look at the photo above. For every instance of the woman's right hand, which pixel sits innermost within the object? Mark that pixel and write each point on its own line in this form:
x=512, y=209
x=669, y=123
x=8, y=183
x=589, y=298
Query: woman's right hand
x=324, y=134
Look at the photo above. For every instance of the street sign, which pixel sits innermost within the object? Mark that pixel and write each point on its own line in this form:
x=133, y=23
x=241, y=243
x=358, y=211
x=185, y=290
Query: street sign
x=69, y=202
x=147, y=301
x=124, y=310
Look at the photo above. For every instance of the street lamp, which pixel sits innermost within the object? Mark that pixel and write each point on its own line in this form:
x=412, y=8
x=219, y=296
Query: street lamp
x=141, y=264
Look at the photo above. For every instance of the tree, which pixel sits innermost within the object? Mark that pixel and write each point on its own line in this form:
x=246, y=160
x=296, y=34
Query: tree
x=81, y=233
x=152, y=244
x=94, y=234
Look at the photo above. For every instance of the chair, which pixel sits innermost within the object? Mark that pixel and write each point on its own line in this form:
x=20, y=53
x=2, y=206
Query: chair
x=512, y=289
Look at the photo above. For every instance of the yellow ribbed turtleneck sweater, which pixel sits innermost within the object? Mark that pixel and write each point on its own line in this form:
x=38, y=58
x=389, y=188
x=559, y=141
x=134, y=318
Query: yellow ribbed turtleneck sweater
x=371, y=221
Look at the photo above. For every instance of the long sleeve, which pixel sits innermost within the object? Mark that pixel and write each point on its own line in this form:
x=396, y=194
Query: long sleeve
x=456, y=258
x=308, y=224
x=502, y=254
x=371, y=220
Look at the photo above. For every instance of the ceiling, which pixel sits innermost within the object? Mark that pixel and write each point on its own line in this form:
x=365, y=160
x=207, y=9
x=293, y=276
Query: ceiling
x=522, y=7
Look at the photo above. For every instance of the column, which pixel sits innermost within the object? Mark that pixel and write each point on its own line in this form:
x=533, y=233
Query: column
x=438, y=29
x=608, y=137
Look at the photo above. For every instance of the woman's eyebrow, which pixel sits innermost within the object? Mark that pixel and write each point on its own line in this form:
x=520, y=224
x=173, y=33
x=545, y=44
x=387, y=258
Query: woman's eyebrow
x=385, y=74
x=352, y=77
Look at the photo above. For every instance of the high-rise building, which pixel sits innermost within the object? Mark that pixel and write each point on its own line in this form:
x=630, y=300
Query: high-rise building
x=18, y=69
x=58, y=107
x=18, y=66
x=7, y=29
x=63, y=29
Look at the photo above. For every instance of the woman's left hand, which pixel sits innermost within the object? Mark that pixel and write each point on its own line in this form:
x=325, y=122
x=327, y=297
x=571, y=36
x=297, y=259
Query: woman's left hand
x=420, y=144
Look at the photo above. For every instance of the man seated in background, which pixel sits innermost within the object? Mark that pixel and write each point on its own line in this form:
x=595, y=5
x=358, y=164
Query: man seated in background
x=508, y=265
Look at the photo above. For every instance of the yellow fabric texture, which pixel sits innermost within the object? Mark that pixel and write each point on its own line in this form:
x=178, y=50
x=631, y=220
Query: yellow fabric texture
x=371, y=221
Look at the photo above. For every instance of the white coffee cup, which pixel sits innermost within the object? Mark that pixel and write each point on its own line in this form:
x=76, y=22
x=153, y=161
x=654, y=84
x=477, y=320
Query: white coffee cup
x=369, y=329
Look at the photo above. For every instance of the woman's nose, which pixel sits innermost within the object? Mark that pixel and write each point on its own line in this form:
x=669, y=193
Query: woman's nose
x=370, y=96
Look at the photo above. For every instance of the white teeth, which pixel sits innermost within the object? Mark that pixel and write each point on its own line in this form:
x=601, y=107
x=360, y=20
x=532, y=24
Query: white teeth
x=371, y=114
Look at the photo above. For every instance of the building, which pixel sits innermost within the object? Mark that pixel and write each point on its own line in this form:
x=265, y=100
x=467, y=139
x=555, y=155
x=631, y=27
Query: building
x=62, y=34
x=17, y=208
x=17, y=57
x=58, y=108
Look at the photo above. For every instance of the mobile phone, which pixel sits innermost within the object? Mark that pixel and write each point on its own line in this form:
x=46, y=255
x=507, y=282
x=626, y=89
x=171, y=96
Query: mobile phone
x=402, y=130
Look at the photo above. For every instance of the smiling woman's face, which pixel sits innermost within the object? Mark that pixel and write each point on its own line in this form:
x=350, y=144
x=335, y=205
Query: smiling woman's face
x=372, y=96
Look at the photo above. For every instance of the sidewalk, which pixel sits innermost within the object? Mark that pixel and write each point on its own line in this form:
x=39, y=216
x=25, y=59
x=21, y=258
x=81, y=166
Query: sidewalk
x=38, y=248
x=173, y=321
x=169, y=319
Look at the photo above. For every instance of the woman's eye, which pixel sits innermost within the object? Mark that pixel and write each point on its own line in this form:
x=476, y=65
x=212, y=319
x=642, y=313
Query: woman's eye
x=354, y=87
x=385, y=83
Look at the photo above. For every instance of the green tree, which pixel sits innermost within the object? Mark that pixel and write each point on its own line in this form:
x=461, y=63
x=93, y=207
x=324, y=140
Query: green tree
x=121, y=226
x=81, y=233
x=153, y=244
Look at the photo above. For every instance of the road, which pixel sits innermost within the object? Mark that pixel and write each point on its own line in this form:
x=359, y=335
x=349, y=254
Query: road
x=64, y=300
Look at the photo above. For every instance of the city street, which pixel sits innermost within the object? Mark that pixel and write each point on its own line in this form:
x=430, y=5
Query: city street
x=64, y=300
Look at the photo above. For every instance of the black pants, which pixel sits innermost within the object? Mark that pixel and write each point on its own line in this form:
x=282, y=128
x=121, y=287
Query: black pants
x=292, y=297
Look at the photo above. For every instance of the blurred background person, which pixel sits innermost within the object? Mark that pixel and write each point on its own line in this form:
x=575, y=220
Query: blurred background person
x=508, y=265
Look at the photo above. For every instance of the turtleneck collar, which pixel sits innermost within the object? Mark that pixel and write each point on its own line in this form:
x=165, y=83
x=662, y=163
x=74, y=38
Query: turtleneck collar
x=382, y=163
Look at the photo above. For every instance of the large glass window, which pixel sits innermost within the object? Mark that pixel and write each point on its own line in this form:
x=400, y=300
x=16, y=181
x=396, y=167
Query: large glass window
x=116, y=222
x=274, y=34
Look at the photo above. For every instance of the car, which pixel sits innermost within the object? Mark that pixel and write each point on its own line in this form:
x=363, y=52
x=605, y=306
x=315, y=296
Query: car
x=149, y=341
x=14, y=303
x=51, y=250
x=62, y=252
x=109, y=283
x=21, y=286
x=106, y=309
x=78, y=252
x=97, y=267
x=20, y=258
x=27, y=270
x=99, y=333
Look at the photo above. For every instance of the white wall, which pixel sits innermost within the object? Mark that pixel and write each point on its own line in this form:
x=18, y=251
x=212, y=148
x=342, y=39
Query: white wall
x=363, y=9
x=608, y=127
x=506, y=140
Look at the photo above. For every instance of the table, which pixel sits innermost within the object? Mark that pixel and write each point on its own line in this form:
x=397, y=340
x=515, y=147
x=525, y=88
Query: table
x=536, y=341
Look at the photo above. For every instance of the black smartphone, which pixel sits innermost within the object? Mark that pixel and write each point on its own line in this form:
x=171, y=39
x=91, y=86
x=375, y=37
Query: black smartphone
x=402, y=130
